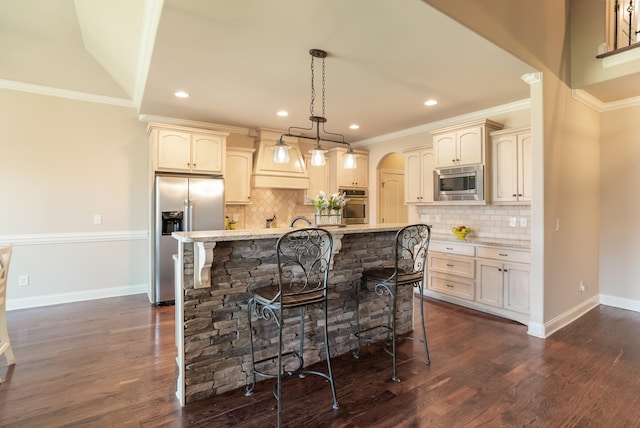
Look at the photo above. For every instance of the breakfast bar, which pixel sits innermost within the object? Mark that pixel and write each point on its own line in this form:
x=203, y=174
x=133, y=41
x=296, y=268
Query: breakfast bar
x=214, y=270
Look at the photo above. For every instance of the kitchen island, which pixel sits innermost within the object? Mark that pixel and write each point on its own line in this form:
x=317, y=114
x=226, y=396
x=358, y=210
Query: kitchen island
x=213, y=272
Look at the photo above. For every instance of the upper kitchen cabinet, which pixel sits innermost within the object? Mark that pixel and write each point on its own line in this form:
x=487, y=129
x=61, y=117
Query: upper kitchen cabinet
x=179, y=149
x=511, y=156
x=340, y=177
x=418, y=177
x=238, y=181
x=462, y=144
x=318, y=179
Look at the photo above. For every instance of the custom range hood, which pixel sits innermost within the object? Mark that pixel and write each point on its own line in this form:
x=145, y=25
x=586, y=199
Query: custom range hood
x=269, y=174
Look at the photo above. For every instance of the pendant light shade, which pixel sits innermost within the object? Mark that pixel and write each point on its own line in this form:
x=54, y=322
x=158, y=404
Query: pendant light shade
x=281, y=152
x=350, y=161
x=317, y=156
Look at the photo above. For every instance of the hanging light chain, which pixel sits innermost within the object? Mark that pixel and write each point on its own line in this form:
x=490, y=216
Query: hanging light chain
x=313, y=89
x=323, y=97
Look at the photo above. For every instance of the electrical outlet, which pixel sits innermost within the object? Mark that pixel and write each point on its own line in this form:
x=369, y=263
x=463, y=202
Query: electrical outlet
x=557, y=225
x=97, y=219
x=512, y=221
x=23, y=280
x=523, y=222
x=425, y=217
x=437, y=219
x=581, y=287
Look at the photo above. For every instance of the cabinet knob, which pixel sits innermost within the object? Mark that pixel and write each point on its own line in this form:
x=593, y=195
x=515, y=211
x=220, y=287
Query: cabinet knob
x=514, y=195
x=519, y=194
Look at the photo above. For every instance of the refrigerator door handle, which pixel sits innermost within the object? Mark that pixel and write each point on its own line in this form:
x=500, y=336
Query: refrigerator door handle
x=187, y=216
x=190, y=215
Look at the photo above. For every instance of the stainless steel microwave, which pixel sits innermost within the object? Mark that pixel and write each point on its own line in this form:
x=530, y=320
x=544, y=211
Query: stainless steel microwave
x=461, y=183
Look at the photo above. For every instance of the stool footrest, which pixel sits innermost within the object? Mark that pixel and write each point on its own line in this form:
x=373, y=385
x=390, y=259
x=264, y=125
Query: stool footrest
x=273, y=358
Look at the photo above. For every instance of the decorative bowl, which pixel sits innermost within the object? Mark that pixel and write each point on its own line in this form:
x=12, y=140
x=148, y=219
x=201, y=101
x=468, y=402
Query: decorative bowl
x=461, y=234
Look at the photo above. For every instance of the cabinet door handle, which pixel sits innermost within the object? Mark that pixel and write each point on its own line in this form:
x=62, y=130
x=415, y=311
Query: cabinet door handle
x=449, y=265
x=449, y=248
x=449, y=285
x=503, y=254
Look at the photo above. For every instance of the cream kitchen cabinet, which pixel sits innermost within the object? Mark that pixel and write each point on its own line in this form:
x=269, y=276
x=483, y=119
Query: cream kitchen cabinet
x=238, y=179
x=451, y=269
x=511, y=155
x=340, y=178
x=503, y=278
x=464, y=144
x=318, y=179
x=180, y=149
x=418, y=177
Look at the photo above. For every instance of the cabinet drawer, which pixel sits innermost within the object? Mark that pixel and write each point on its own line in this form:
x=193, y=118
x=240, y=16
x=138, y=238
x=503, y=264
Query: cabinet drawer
x=504, y=254
x=453, y=286
x=453, y=248
x=453, y=265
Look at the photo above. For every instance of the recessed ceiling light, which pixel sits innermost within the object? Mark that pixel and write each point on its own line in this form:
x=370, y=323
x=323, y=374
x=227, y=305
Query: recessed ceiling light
x=430, y=102
x=354, y=126
x=283, y=113
x=181, y=94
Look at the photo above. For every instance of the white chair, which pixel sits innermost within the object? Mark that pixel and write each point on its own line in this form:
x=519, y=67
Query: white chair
x=5, y=344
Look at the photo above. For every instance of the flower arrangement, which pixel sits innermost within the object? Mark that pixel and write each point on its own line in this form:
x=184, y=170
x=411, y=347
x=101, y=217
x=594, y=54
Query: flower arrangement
x=320, y=202
x=335, y=201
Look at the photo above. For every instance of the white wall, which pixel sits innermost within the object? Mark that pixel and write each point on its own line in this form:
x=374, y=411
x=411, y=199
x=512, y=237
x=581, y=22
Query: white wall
x=620, y=208
x=62, y=161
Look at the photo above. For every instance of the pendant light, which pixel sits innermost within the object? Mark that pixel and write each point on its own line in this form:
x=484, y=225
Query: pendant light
x=281, y=149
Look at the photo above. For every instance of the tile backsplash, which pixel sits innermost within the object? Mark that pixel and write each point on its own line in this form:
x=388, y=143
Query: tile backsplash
x=490, y=221
x=285, y=204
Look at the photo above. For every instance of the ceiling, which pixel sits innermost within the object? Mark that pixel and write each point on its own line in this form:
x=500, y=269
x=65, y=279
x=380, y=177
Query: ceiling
x=242, y=61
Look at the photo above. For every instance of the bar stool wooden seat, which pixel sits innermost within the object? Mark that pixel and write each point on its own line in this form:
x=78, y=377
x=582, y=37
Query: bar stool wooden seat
x=5, y=344
x=303, y=257
x=409, y=269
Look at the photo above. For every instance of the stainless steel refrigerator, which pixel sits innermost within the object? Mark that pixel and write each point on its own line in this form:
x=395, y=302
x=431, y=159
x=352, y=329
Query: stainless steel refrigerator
x=182, y=203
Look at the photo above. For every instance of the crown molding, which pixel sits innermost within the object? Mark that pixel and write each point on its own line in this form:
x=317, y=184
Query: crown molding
x=452, y=121
x=591, y=101
x=193, y=124
x=65, y=93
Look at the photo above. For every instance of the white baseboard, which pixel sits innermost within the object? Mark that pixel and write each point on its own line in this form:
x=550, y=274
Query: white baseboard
x=564, y=319
x=620, y=302
x=55, y=299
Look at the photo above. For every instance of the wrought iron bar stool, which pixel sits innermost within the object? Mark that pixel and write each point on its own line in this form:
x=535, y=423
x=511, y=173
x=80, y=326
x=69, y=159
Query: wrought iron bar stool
x=303, y=257
x=410, y=254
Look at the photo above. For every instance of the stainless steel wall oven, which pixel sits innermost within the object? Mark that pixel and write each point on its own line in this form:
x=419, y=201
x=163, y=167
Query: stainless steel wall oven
x=356, y=209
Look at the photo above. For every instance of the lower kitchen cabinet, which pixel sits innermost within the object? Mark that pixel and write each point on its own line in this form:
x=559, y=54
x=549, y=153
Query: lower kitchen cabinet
x=451, y=269
x=503, y=278
x=487, y=278
x=504, y=285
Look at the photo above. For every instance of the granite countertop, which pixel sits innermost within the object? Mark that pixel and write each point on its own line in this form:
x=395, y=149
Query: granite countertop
x=264, y=233
x=482, y=240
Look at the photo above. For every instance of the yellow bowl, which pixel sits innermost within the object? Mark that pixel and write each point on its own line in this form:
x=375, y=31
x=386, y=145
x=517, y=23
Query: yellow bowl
x=460, y=235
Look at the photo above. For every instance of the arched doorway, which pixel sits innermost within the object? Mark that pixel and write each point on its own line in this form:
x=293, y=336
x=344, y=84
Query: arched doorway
x=391, y=207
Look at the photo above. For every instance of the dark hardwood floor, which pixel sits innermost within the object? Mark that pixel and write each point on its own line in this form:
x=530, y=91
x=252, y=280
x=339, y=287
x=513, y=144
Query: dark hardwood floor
x=111, y=362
